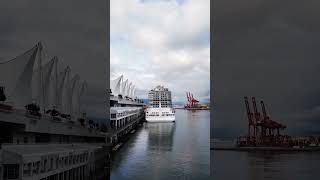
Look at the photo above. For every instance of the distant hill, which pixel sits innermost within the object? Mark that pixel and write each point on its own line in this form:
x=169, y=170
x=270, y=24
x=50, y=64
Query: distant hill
x=179, y=103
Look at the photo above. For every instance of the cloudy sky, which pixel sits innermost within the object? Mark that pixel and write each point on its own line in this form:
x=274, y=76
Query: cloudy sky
x=162, y=42
x=268, y=49
x=74, y=30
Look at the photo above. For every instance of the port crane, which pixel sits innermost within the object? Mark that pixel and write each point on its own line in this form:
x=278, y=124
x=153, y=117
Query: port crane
x=192, y=102
x=263, y=126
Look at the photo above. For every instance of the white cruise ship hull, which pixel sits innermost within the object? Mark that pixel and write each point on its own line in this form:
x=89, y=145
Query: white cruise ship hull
x=160, y=115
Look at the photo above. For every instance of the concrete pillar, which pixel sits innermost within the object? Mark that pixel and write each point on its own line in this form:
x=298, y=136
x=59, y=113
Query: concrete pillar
x=70, y=174
x=83, y=172
x=67, y=175
x=76, y=173
x=79, y=173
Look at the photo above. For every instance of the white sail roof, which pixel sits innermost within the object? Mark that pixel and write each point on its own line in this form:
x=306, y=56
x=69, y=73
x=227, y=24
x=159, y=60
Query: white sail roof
x=116, y=85
x=73, y=94
x=132, y=91
x=82, y=89
x=16, y=76
x=25, y=79
x=125, y=88
x=40, y=83
x=52, y=89
x=129, y=89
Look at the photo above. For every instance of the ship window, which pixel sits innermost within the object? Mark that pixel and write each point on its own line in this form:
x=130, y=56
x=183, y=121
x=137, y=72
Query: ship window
x=10, y=171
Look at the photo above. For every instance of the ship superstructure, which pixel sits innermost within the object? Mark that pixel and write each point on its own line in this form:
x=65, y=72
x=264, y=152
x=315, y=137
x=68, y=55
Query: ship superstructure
x=160, y=105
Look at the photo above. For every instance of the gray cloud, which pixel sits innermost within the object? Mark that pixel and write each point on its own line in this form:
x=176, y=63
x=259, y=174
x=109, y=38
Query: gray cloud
x=155, y=43
x=267, y=49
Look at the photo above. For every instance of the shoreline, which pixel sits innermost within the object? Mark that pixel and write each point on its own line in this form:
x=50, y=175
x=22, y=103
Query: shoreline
x=269, y=149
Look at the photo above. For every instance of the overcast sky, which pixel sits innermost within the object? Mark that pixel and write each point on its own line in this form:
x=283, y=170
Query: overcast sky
x=73, y=30
x=268, y=49
x=162, y=42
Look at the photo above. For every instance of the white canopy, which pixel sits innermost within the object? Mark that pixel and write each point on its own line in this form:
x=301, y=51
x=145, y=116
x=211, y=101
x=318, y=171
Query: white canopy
x=124, y=88
x=27, y=80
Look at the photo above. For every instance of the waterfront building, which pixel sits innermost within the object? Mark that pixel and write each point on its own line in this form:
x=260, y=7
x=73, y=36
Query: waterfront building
x=44, y=131
x=121, y=116
x=126, y=110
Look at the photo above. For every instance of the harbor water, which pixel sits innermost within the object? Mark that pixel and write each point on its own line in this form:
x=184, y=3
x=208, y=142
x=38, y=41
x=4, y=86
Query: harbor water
x=163, y=151
x=265, y=165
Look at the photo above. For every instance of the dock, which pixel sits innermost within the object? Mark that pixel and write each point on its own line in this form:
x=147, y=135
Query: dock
x=269, y=149
x=231, y=146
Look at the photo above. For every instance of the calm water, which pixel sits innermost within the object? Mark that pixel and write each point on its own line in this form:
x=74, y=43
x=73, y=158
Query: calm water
x=232, y=165
x=167, y=151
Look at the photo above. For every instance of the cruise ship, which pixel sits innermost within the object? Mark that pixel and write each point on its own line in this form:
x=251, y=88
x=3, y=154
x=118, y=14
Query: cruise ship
x=160, y=105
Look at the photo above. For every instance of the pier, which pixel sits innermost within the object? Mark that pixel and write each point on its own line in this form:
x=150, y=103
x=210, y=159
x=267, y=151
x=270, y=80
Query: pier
x=123, y=120
x=126, y=111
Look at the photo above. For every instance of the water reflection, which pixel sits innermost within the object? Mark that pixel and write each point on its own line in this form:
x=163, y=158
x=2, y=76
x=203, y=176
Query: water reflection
x=264, y=165
x=160, y=136
x=177, y=150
